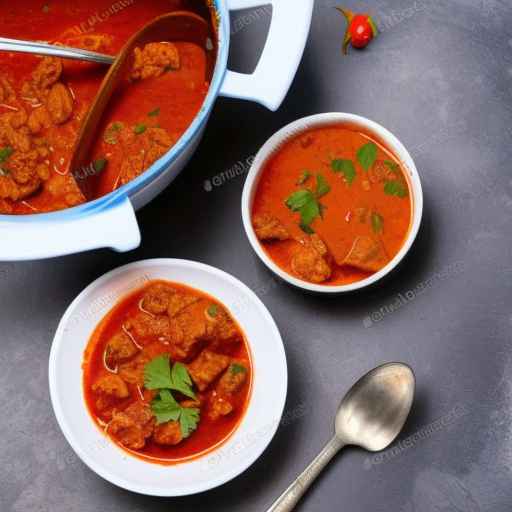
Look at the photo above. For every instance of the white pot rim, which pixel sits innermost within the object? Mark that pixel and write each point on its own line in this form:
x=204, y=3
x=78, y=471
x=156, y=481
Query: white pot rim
x=291, y=131
x=223, y=463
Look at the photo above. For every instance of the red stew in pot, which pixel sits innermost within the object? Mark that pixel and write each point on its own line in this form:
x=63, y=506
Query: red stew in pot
x=44, y=100
x=167, y=373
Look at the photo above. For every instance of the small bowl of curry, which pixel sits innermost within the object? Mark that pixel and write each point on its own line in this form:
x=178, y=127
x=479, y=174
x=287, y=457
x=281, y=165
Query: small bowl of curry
x=332, y=203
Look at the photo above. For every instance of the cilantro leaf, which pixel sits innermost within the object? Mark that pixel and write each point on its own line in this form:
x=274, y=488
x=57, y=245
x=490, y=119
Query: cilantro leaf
x=5, y=153
x=213, y=310
x=322, y=187
x=157, y=373
x=305, y=175
x=165, y=408
x=377, y=222
x=298, y=199
x=392, y=165
x=100, y=164
x=366, y=155
x=346, y=167
x=139, y=128
x=181, y=381
x=307, y=229
x=154, y=113
x=189, y=418
x=395, y=188
x=236, y=368
x=309, y=212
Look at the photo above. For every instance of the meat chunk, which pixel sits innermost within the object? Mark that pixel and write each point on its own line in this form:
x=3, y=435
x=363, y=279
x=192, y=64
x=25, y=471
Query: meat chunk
x=39, y=120
x=367, y=254
x=132, y=426
x=47, y=73
x=188, y=331
x=65, y=188
x=111, y=385
x=168, y=434
x=133, y=371
x=268, y=227
x=154, y=59
x=180, y=301
x=222, y=399
x=220, y=327
x=157, y=298
x=7, y=94
x=120, y=348
x=148, y=328
x=206, y=368
x=59, y=103
x=310, y=260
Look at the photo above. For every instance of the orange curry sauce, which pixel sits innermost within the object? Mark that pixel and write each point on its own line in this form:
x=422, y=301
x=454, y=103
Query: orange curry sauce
x=176, y=95
x=353, y=208
x=210, y=433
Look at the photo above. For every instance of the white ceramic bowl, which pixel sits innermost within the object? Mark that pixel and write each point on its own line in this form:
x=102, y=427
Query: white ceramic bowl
x=245, y=445
x=291, y=131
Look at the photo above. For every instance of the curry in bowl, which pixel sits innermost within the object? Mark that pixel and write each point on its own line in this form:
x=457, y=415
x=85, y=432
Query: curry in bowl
x=167, y=374
x=333, y=206
x=43, y=101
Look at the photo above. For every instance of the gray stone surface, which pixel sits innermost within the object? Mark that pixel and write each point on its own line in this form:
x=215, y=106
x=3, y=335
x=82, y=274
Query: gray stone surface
x=440, y=78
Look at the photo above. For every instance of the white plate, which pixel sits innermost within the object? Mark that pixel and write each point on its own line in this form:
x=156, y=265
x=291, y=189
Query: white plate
x=279, y=139
x=246, y=444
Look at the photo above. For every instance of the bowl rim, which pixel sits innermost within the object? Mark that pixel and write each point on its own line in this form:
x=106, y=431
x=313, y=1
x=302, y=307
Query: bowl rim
x=292, y=130
x=243, y=463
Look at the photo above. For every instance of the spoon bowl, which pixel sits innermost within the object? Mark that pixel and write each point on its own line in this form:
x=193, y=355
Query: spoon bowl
x=375, y=409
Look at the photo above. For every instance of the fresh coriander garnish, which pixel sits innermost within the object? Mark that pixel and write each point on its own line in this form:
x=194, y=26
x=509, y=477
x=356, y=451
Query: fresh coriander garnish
x=139, y=128
x=100, y=164
x=154, y=113
x=377, y=222
x=166, y=408
x=391, y=165
x=395, y=188
x=111, y=133
x=346, y=167
x=5, y=153
x=307, y=203
x=212, y=310
x=305, y=175
x=366, y=155
x=160, y=375
x=236, y=368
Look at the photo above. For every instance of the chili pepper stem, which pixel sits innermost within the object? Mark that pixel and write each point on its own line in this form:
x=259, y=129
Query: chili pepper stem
x=349, y=15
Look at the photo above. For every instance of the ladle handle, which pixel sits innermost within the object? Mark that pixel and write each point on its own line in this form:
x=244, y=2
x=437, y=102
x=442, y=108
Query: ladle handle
x=287, y=501
x=65, y=52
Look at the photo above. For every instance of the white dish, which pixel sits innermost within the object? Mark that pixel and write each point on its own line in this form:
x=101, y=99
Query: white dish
x=236, y=454
x=291, y=131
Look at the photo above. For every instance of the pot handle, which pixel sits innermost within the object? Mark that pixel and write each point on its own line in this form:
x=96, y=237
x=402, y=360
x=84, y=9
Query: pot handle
x=114, y=226
x=281, y=55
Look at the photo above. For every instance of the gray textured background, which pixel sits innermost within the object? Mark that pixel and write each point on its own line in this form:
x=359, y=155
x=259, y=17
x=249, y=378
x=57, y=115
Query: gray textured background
x=440, y=78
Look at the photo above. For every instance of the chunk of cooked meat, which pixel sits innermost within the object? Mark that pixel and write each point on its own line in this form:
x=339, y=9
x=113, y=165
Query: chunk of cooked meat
x=367, y=254
x=143, y=150
x=179, y=301
x=188, y=331
x=47, y=72
x=91, y=42
x=65, y=188
x=7, y=94
x=111, y=385
x=133, y=371
x=207, y=367
x=168, y=434
x=120, y=348
x=154, y=60
x=59, y=103
x=268, y=227
x=157, y=298
x=310, y=260
x=38, y=120
x=132, y=426
x=221, y=399
x=148, y=328
x=220, y=327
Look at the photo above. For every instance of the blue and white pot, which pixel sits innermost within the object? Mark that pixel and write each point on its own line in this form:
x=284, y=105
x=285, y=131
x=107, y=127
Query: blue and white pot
x=110, y=221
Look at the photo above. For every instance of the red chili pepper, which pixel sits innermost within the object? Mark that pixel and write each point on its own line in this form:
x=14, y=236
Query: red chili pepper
x=361, y=29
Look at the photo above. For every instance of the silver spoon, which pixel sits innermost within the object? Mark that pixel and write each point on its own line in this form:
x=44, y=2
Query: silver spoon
x=65, y=52
x=370, y=415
